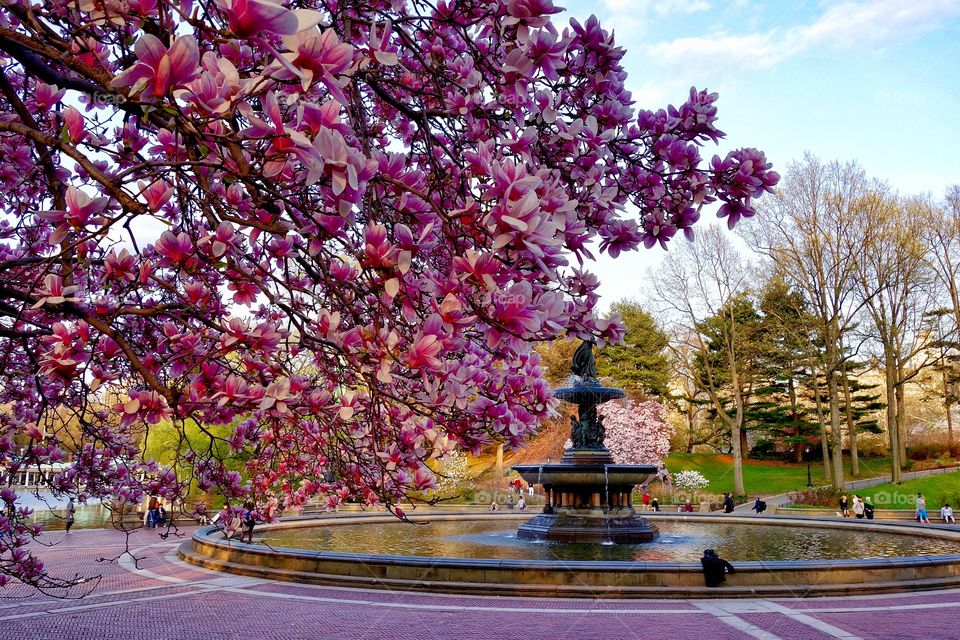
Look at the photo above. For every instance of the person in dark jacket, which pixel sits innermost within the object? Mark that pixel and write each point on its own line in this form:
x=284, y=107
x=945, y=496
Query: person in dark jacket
x=715, y=568
x=868, y=508
x=728, y=505
x=759, y=506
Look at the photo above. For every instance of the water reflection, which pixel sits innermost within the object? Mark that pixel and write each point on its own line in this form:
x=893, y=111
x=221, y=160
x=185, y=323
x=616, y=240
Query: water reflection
x=678, y=542
x=52, y=512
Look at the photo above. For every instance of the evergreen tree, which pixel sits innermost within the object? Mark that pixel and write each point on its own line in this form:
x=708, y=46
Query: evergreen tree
x=640, y=365
x=783, y=343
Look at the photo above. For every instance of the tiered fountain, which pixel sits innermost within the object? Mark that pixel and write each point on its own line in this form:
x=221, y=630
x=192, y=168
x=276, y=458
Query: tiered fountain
x=589, y=498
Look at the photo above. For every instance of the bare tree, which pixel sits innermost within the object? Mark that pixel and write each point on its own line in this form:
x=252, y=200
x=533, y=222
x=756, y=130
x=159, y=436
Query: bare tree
x=893, y=281
x=812, y=231
x=692, y=399
x=941, y=234
x=940, y=226
x=698, y=281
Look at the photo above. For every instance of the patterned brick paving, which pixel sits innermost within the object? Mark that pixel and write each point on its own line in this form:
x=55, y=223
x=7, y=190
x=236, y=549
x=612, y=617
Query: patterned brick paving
x=157, y=597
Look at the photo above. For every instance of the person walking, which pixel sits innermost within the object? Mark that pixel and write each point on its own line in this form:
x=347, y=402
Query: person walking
x=858, y=508
x=922, y=510
x=521, y=504
x=715, y=568
x=71, y=511
x=728, y=505
x=946, y=512
x=759, y=506
x=868, y=508
x=844, y=507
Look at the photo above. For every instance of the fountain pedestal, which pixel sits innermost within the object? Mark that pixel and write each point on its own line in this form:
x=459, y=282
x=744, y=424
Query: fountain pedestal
x=589, y=498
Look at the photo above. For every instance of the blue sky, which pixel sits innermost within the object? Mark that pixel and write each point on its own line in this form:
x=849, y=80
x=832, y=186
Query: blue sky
x=873, y=81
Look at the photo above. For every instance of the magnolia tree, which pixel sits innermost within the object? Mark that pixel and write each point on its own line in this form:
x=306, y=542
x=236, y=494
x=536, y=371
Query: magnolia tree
x=637, y=432
x=325, y=233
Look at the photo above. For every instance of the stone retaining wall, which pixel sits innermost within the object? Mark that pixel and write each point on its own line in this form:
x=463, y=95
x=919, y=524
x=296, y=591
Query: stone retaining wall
x=208, y=548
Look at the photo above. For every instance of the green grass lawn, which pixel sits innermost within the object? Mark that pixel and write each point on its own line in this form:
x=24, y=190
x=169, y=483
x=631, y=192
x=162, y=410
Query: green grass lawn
x=765, y=477
x=936, y=489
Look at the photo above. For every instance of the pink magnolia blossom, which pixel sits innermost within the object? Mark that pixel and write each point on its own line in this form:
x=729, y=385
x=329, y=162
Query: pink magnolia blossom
x=81, y=211
x=250, y=17
x=158, y=69
x=315, y=55
x=175, y=247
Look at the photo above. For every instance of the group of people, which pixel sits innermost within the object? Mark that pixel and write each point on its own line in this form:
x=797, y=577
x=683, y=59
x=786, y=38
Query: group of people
x=650, y=503
x=861, y=507
x=156, y=515
x=521, y=504
x=864, y=508
x=946, y=512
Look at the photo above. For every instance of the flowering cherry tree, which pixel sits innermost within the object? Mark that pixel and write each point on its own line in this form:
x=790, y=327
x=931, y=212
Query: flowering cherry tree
x=333, y=229
x=637, y=432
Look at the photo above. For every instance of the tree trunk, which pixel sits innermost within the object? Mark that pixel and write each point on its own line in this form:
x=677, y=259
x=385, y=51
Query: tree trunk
x=824, y=444
x=792, y=393
x=832, y=371
x=901, y=422
x=892, y=432
x=851, y=427
x=836, y=432
x=737, y=459
x=947, y=403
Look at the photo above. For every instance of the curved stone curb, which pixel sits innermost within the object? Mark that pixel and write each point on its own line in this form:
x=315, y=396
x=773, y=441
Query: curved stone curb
x=581, y=579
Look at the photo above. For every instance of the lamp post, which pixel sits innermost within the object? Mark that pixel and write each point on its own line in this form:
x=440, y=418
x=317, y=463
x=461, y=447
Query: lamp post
x=806, y=454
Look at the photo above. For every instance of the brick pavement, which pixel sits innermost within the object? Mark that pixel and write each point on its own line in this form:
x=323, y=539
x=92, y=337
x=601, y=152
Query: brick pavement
x=157, y=597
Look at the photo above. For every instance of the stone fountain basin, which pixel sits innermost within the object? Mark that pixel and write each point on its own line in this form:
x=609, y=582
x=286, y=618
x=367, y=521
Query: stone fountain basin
x=595, y=475
x=582, y=392
x=581, y=579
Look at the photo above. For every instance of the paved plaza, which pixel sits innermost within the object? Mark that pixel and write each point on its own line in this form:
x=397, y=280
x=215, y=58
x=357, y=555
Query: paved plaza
x=159, y=597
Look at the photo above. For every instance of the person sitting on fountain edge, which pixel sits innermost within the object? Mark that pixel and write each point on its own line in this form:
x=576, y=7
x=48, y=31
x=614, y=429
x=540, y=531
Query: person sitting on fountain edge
x=715, y=568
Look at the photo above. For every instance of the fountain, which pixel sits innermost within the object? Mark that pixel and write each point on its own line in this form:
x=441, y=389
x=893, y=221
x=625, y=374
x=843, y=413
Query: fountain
x=589, y=498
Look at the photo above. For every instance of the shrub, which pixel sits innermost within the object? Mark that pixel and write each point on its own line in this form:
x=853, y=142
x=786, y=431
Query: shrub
x=930, y=447
x=817, y=497
x=692, y=481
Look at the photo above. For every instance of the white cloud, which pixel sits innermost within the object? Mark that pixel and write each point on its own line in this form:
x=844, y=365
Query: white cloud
x=849, y=25
x=634, y=16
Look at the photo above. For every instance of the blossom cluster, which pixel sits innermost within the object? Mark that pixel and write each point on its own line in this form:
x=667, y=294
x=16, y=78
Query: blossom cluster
x=690, y=480
x=637, y=432
x=328, y=233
